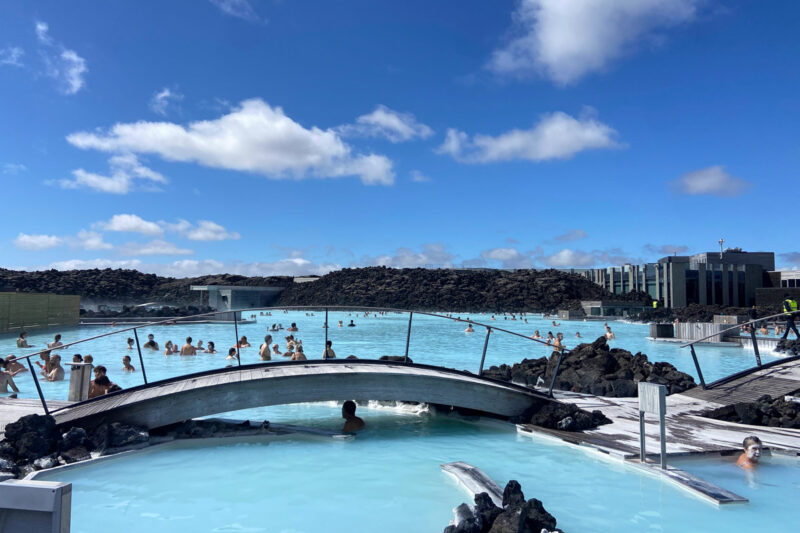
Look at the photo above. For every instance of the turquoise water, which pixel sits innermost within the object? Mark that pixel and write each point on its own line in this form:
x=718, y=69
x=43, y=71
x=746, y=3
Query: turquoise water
x=434, y=341
x=389, y=479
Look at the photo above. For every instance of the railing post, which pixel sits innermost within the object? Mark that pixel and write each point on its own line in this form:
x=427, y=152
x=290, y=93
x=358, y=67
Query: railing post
x=697, y=366
x=38, y=388
x=325, y=348
x=408, y=335
x=236, y=331
x=555, y=372
x=141, y=360
x=485, y=345
x=755, y=343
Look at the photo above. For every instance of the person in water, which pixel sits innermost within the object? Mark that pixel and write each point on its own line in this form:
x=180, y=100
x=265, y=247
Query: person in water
x=126, y=364
x=352, y=423
x=751, y=454
x=56, y=370
x=22, y=341
x=351, y=324
x=151, y=344
x=469, y=329
x=210, y=347
x=329, y=353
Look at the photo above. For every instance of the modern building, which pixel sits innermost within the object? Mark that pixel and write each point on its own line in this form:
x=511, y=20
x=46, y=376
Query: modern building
x=727, y=278
x=229, y=297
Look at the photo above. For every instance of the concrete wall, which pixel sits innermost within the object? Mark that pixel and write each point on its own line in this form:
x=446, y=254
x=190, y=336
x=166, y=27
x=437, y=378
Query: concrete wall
x=19, y=310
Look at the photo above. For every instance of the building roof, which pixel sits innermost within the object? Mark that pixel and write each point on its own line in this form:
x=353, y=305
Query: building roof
x=233, y=288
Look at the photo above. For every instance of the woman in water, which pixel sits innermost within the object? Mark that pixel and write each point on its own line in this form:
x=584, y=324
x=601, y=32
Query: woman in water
x=126, y=364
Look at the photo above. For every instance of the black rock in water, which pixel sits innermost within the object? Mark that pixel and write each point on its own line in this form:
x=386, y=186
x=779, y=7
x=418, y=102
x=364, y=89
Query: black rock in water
x=512, y=494
x=73, y=438
x=33, y=436
x=595, y=369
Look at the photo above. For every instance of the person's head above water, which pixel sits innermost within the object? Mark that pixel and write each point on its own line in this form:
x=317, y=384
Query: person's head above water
x=349, y=409
x=752, y=447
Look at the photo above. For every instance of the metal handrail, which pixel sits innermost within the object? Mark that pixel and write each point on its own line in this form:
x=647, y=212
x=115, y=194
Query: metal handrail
x=489, y=328
x=737, y=326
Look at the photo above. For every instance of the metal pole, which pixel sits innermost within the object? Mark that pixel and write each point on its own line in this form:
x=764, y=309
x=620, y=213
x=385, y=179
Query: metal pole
x=642, y=451
x=38, y=388
x=485, y=345
x=325, y=350
x=697, y=366
x=755, y=343
x=663, y=424
x=236, y=331
x=408, y=335
x=141, y=361
x=555, y=373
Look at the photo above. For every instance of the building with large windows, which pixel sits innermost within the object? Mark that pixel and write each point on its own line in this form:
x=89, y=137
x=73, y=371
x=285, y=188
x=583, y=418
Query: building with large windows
x=727, y=278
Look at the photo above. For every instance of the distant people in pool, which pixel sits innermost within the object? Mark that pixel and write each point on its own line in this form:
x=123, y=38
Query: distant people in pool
x=329, y=353
x=232, y=354
x=22, y=341
x=274, y=327
x=126, y=364
x=558, y=343
x=341, y=324
x=298, y=354
x=550, y=337
x=556, y=325
x=130, y=342
x=578, y=335
x=151, y=344
x=199, y=346
x=6, y=377
x=169, y=348
x=469, y=329
x=210, y=348
x=243, y=343
x=13, y=366
x=44, y=364
x=293, y=327
x=352, y=423
x=536, y=335
x=351, y=324
x=276, y=350
x=188, y=348
x=101, y=385
x=610, y=334
x=751, y=454
x=56, y=342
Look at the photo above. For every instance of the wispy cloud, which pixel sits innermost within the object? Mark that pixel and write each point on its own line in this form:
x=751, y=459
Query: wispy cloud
x=711, y=181
x=62, y=64
x=566, y=40
x=254, y=137
x=238, y=8
x=126, y=173
x=163, y=99
x=431, y=255
x=555, y=136
x=26, y=241
x=419, y=177
x=204, y=230
x=12, y=56
x=666, y=249
x=570, y=236
x=13, y=168
x=129, y=223
x=389, y=124
x=154, y=247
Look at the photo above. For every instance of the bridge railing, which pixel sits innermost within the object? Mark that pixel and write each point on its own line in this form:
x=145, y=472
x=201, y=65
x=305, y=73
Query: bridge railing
x=193, y=320
x=754, y=339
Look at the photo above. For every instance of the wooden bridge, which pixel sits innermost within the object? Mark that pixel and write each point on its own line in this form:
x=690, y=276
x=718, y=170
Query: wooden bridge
x=242, y=387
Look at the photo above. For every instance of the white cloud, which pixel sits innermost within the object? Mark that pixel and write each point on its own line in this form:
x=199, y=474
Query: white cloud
x=566, y=40
x=126, y=172
x=508, y=257
x=387, y=123
x=555, y=136
x=62, y=64
x=154, y=247
x=237, y=8
x=205, y=230
x=572, y=235
x=14, y=168
x=27, y=241
x=712, y=181
x=667, y=249
x=253, y=137
x=569, y=258
x=130, y=223
x=162, y=100
x=11, y=55
x=432, y=255
x=91, y=240
x=419, y=177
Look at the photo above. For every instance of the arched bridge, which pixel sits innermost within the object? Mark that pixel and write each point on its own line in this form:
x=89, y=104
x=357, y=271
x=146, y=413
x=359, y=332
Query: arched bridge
x=241, y=387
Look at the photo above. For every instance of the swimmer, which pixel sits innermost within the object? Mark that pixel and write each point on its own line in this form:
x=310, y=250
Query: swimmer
x=298, y=355
x=151, y=344
x=126, y=364
x=329, y=353
x=199, y=346
x=232, y=353
x=352, y=422
x=469, y=329
x=263, y=350
x=293, y=327
x=130, y=343
x=22, y=341
x=578, y=335
x=558, y=345
x=341, y=324
x=56, y=370
x=13, y=366
x=242, y=343
x=169, y=348
x=751, y=454
x=188, y=348
x=556, y=325
x=210, y=348
x=610, y=334
x=6, y=378
x=276, y=350
x=351, y=324
x=536, y=335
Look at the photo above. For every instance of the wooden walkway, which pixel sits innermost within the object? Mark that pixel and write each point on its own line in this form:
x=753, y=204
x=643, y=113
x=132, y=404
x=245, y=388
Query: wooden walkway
x=776, y=381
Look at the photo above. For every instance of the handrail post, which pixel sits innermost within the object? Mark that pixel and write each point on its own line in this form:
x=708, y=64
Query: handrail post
x=325, y=349
x=755, y=344
x=141, y=360
x=697, y=366
x=236, y=332
x=38, y=388
x=485, y=346
x=555, y=372
x=408, y=335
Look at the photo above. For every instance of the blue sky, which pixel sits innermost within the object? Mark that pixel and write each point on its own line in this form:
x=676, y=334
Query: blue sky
x=289, y=137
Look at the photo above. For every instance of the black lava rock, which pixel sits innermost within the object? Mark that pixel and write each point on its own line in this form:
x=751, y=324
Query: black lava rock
x=33, y=436
x=73, y=438
x=512, y=494
x=763, y=412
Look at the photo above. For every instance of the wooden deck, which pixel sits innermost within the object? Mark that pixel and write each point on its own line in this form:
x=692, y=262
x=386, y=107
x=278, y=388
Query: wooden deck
x=776, y=381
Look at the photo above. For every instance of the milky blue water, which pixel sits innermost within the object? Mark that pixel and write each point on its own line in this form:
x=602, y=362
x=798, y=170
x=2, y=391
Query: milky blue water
x=389, y=478
x=433, y=341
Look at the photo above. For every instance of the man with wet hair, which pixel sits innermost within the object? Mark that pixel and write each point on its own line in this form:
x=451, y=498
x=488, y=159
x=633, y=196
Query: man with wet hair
x=188, y=348
x=352, y=423
x=751, y=454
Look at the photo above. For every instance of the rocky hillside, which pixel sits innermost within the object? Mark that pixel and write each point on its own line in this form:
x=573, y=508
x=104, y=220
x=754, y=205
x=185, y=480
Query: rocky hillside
x=123, y=285
x=440, y=289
